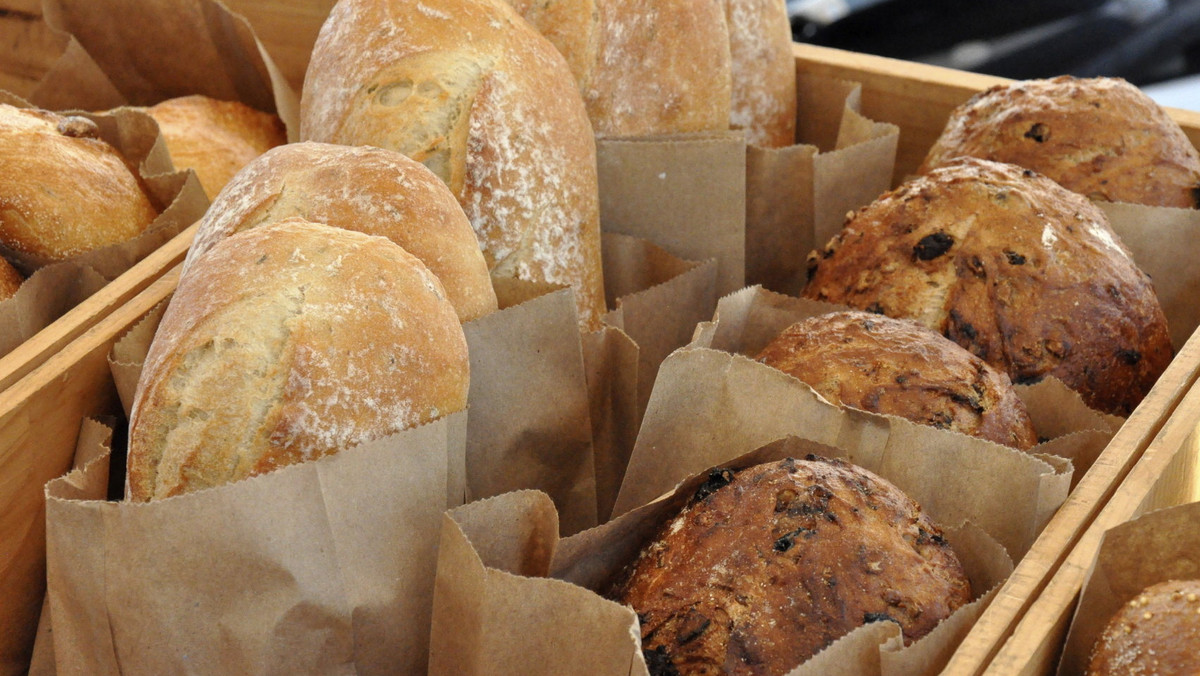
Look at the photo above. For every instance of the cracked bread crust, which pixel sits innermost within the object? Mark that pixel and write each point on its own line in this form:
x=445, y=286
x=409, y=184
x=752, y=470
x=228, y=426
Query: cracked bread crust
x=1100, y=137
x=1023, y=273
x=897, y=367
x=286, y=343
x=768, y=566
x=10, y=280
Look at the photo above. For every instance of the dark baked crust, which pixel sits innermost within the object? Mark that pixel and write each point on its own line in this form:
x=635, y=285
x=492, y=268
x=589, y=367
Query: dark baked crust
x=1158, y=632
x=898, y=367
x=1099, y=137
x=10, y=280
x=758, y=575
x=1008, y=264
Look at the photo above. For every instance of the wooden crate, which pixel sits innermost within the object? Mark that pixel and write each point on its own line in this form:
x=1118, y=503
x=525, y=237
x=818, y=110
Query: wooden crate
x=1035, y=603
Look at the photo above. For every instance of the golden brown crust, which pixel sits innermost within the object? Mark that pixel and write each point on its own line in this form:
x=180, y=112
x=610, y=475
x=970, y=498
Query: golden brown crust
x=10, y=280
x=63, y=191
x=643, y=66
x=763, y=71
x=1155, y=633
x=366, y=189
x=1008, y=264
x=215, y=138
x=497, y=118
x=285, y=343
x=898, y=367
x=767, y=567
x=1099, y=137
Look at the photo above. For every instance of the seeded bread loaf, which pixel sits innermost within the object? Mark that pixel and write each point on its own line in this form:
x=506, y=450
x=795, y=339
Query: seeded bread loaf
x=215, y=138
x=10, y=280
x=643, y=66
x=63, y=190
x=1099, y=137
x=1155, y=633
x=1021, y=272
x=286, y=343
x=370, y=190
x=898, y=367
x=468, y=88
x=766, y=567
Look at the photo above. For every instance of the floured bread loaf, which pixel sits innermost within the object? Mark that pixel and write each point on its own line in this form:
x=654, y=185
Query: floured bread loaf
x=898, y=367
x=766, y=567
x=370, y=190
x=469, y=89
x=1099, y=137
x=1155, y=633
x=215, y=138
x=63, y=190
x=643, y=66
x=10, y=280
x=286, y=343
x=763, y=71
x=1020, y=271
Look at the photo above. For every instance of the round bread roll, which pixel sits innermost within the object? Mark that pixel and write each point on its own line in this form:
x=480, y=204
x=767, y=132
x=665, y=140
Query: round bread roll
x=643, y=66
x=469, y=89
x=63, y=190
x=1008, y=264
x=10, y=280
x=370, y=190
x=1155, y=633
x=763, y=70
x=286, y=343
x=757, y=576
x=897, y=367
x=1099, y=137
x=215, y=138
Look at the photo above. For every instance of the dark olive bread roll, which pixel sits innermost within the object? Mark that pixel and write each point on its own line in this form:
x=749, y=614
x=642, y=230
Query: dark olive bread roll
x=1158, y=632
x=898, y=367
x=1010, y=265
x=767, y=566
x=1099, y=137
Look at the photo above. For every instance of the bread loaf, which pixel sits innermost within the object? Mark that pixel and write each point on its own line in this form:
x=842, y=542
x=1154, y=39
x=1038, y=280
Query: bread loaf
x=286, y=343
x=63, y=190
x=1099, y=137
x=1155, y=633
x=766, y=567
x=1008, y=264
x=898, y=367
x=10, y=280
x=469, y=89
x=763, y=70
x=215, y=138
x=643, y=66
x=370, y=190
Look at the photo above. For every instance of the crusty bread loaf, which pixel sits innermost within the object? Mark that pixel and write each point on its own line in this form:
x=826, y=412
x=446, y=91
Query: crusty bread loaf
x=215, y=138
x=10, y=280
x=1099, y=137
x=1008, y=264
x=370, y=190
x=1158, y=632
x=768, y=566
x=898, y=367
x=63, y=190
x=643, y=66
x=469, y=89
x=286, y=343
x=763, y=70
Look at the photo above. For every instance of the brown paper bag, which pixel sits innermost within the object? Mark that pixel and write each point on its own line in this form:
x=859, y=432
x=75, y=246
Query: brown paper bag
x=150, y=50
x=797, y=197
x=1160, y=546
x=749, y=319
x=504, y=581
x=326, y=566
x=47, y=295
